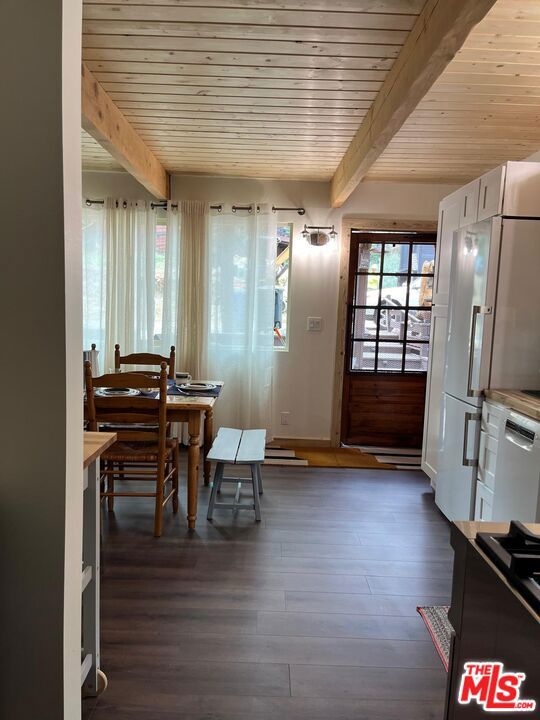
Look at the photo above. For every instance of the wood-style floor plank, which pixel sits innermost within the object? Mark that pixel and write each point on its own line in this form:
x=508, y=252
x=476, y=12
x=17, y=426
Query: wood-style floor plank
x=310, y=614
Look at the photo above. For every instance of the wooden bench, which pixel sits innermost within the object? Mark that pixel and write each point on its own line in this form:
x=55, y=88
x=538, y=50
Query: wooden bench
x=237, y=447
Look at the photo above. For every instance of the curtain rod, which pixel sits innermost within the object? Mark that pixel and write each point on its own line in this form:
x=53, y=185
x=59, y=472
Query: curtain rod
x=219, y=208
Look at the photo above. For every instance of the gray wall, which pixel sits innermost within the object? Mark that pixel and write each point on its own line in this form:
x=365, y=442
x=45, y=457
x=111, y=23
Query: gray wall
x=34, y=397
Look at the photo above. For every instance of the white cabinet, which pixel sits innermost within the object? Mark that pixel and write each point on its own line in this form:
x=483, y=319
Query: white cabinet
x=469, y=203
x=491, y=193
x=512, y=189
x=449, y=215
x=492, y=418
x=434, y=390
x=483, y=509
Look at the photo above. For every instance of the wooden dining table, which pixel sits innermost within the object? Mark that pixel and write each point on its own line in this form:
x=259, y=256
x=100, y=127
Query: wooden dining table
x=198, y=412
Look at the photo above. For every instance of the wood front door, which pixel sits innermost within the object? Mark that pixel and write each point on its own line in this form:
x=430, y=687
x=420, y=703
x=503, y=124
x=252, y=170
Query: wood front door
x=387, y=339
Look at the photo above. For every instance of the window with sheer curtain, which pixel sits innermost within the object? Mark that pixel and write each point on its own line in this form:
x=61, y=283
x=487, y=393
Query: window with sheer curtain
x=181, y=276
x=124, y=257
x=240, y=314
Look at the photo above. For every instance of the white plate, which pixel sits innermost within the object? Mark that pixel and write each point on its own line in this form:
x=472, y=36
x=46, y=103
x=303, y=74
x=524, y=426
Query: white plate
x=193, y=387
x=117, y=392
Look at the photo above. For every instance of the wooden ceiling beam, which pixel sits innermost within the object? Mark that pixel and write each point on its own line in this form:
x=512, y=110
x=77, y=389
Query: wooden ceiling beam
x=105, y=122
x=438, y=33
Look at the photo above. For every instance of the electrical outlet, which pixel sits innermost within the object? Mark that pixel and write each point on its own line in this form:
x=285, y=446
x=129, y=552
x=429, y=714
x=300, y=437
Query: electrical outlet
x=314, y=324
x=285, y=418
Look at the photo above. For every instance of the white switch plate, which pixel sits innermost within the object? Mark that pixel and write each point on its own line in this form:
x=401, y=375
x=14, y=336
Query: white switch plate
x=314, y=324
x=285, y=418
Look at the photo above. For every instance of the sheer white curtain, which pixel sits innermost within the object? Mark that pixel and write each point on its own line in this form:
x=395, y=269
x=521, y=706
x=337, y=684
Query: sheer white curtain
x=171, y=282
x=119, y=277
x=239, y=310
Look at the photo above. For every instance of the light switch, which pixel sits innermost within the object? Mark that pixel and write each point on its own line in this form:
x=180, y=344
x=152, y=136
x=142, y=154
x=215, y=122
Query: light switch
x=314, y=324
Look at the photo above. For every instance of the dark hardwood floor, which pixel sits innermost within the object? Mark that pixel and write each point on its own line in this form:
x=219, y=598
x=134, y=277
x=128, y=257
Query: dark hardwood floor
x=309, y=615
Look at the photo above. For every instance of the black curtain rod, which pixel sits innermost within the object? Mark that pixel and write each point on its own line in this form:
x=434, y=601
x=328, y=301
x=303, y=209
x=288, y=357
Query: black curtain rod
x=161, y=203
x=219, y=208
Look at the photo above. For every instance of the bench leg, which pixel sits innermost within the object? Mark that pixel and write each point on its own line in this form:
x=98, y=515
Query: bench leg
x=255, y=482
x=259, y=478
x=218, y=474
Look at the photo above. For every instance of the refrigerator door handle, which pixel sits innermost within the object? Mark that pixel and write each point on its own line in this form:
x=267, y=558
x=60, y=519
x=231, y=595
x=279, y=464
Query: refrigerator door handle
x=476, y=311
x=468, y=417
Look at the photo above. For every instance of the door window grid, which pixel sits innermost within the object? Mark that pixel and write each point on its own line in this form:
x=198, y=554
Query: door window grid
x=389, y=330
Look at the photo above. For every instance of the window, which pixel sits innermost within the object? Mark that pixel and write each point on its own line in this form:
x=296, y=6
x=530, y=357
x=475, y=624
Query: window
x=281, y=292
x=391, y=302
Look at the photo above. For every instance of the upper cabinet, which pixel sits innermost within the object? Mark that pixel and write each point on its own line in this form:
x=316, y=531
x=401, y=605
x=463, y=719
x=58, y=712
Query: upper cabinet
x=469, y=203
x=455, y=211
x=491, y=193
x=513, y=190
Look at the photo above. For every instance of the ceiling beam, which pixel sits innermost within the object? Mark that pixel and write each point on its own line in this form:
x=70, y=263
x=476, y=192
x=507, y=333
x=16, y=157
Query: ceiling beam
x=102, y=119
x=438, y=33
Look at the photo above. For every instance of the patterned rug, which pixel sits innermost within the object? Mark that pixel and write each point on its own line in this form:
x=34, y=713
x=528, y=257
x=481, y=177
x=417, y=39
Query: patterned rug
x=438, y=625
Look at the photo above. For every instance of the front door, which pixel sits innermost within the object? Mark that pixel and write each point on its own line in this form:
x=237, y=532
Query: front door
x=387, y=339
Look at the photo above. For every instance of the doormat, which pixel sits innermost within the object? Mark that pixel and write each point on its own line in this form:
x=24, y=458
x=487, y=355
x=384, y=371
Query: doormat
x=324, y=457
x=438, y=625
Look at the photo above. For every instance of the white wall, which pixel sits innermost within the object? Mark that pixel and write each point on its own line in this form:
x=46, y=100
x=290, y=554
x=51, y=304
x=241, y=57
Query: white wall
x=303, y=378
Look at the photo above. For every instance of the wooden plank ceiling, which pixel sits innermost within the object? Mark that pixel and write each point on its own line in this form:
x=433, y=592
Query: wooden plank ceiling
x=483, y=110
x=259, y=88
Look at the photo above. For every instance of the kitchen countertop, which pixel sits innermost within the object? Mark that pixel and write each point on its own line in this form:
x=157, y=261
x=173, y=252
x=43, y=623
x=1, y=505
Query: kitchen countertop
x=516, y=400
x=96, y=443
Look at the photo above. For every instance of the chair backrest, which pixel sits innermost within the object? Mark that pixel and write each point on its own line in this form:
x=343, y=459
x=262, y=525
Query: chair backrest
x=150, y=359
x=125, y=410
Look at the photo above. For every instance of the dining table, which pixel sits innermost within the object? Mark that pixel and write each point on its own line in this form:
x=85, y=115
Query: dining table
x=198, y=412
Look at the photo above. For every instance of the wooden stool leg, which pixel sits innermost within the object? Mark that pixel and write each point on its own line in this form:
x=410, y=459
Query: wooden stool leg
x=259, y=479
x=218, y=475
x=255, y=483
x=110, y=486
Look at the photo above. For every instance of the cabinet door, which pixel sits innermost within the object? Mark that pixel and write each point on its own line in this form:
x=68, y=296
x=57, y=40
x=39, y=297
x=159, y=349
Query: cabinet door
x=449, y=214
x=434, y=391
x=491, y=193
x=483, y=507
x=469, y=203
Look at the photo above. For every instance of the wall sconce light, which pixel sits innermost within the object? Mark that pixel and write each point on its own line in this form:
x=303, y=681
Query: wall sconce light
x=316, y=236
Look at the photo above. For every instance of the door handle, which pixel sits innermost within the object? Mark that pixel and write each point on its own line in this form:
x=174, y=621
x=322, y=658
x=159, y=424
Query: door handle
x=476, y=311
x=465, y=460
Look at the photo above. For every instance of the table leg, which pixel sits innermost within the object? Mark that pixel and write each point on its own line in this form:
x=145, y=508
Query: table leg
x=208, y=439
x=194, y=430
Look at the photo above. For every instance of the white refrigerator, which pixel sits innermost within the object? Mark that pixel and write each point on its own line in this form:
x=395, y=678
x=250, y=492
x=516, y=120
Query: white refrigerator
x=493, y=340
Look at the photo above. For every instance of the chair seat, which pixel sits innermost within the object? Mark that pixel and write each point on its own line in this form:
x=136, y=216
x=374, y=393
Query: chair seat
x=125, y=451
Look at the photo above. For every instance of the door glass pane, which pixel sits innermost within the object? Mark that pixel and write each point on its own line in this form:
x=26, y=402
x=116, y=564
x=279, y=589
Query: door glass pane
x=416, y=357
x=394, y=290
x=421, y=291
x=423, y=259
x=365, y=323
x=390, y=357
x=418, y=325
x=391, y=322
x=363, y=356
x=396, y=258
x=369, y=257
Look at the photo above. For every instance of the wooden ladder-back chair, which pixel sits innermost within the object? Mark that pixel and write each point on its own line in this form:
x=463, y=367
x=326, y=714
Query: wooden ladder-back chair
x=148, y=359
x=139, y=453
